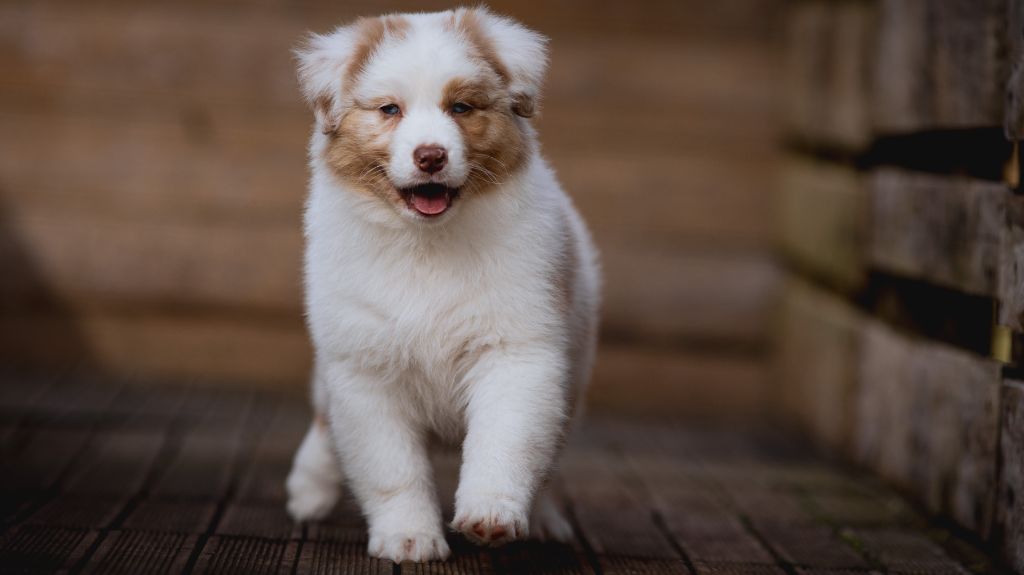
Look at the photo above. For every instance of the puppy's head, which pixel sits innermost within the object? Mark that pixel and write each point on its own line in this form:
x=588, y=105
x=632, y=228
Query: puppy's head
x=424, y=111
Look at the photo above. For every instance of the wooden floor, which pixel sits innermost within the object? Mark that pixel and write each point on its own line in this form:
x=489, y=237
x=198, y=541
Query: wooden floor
x=104, y=478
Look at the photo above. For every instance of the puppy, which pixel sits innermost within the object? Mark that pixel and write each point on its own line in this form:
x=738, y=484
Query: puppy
x=451, y=286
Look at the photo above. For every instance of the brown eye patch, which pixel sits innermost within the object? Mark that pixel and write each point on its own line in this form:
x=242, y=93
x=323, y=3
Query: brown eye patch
x=495, y=144
x=478, y=95
x=468, y=24
x=358, y=153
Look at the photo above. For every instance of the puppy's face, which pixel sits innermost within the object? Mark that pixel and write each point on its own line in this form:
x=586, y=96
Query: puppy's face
x=424, y=111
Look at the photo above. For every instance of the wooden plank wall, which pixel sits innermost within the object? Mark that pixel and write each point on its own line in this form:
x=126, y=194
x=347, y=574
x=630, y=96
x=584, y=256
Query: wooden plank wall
x=152, y=176
x=901, y=327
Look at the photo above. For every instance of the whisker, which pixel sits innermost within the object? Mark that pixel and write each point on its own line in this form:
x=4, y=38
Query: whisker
x=485, y=173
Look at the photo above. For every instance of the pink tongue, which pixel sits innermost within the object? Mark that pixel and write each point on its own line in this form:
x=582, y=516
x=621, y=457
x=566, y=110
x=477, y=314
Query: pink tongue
x=430, y=205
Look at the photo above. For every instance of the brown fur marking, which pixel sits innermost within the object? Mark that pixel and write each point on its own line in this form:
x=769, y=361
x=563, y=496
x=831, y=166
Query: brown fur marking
x=358, y=153
x=471, y=28
x=372, y=31
x=523, y=105
x=495, y=143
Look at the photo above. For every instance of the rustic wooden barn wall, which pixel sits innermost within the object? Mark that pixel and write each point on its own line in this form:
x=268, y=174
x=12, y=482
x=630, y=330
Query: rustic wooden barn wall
x=900, y=328
x=152, y=173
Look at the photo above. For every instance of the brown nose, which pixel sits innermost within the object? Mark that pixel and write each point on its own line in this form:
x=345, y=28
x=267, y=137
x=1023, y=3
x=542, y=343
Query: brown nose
x=430, y=159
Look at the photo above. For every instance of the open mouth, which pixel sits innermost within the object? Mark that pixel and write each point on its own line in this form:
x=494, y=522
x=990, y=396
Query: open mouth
x=429, y=200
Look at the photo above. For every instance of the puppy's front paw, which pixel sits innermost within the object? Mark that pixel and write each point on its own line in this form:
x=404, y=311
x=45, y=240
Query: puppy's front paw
x=491, y=521
x=400, y=547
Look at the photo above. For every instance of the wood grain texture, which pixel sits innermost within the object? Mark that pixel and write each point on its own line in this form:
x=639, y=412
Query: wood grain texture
x=141, y=552
x=202, y=467
x=173, y=516
x=1011, y=266
x=639, y=380
x=817, y=355
x=902, y=550
x=152, y=168
x=145, y=264
x=645, y=497
x=117, y=463
x=330, y=557
x=657, y=294
x=270, y=521
x=1009, y=513
x=829, y=56
x=824, y=225
x=1013, y=118
x=884, y=403
x=942, y=229
x=616, y=521
x=939, y=65
x=40, y=460
x=814, y=546
x=709, y=532
x=859, y=69
x=80, y=512
x=466, y=558
x=247, y=555
x=160, y=167
x=45, y=549
x=203, y=346
x=927, y=418
x=705, y=199
x=103, y=264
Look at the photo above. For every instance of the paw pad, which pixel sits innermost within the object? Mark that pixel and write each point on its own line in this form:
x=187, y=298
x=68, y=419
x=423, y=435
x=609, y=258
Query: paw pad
x=494, y=523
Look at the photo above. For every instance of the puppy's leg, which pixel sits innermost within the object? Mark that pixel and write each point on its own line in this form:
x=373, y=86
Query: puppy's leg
x=314, y=483
x=515, y=421
x=385, y=458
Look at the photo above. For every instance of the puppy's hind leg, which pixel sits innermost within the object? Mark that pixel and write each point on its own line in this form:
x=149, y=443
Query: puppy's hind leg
x=314, y=484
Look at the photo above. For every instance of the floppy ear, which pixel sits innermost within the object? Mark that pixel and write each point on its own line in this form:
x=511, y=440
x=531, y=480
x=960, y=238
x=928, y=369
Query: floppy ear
x=523, y=53
x=322, y=60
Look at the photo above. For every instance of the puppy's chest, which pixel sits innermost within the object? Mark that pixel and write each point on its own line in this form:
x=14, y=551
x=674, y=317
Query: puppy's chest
x=433, y=320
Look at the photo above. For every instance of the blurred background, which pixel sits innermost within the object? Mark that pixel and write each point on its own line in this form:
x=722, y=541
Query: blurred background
x=809, y=212
x=152, y=175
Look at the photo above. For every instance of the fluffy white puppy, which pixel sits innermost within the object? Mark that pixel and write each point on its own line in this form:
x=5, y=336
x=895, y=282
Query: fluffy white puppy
x=452, y=288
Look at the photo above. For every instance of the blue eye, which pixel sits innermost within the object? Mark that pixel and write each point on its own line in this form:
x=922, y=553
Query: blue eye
x=461, y=108
x=390, y=109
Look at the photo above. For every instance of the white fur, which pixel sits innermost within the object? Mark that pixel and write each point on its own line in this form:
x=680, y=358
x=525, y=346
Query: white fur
x=456, y=327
